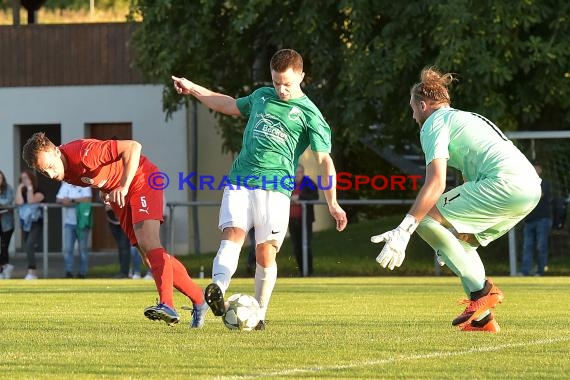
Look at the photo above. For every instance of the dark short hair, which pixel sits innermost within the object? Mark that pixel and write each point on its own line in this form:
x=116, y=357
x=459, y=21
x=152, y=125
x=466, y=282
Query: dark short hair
x=286, y=58
x=37, y=143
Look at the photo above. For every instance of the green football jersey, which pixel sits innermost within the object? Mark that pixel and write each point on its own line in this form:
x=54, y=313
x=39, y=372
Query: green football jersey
x=472, y=144
x=276, y=134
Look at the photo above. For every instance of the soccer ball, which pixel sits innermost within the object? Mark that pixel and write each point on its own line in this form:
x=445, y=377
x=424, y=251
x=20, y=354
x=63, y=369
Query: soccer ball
x=242, y=313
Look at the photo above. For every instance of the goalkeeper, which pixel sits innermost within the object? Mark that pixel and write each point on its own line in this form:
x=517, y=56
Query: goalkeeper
x=501, y=187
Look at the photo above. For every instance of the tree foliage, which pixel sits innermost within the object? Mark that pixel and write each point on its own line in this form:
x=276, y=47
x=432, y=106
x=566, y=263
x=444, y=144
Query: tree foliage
x=362, y=56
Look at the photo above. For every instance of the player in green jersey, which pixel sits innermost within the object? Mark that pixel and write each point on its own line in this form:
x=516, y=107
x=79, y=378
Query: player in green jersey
x=500, y=189
x=282, y=123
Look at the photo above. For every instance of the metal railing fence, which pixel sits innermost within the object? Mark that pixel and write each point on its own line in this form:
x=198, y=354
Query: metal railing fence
x=437, y=269
x=305, y=244
x=172, y=206
x=45, y=230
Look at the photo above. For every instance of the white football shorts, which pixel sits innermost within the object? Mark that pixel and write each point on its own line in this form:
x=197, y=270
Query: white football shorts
x=266, y=211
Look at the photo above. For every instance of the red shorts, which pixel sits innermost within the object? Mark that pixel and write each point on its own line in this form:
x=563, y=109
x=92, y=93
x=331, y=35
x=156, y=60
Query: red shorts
x=144, y=203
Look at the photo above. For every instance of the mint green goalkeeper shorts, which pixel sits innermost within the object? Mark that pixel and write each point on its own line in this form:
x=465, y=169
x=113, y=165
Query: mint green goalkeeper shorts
x=489, y=208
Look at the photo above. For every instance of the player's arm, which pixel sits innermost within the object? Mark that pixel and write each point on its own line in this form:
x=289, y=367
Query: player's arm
x=130, y=153
x=328, y=173
x=394, y=251
x=434, y=186
x=215, y=101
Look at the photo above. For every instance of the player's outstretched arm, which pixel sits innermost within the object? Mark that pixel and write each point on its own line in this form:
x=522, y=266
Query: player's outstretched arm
x=328, y=172
x=215, y=101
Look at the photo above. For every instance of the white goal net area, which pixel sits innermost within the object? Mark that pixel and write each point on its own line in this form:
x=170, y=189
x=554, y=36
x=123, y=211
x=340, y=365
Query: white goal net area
x=551, y=149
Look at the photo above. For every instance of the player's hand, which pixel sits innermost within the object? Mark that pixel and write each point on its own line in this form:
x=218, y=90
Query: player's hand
x=118, y=196
x=339, y=215
x=394, y=251
x=181, y=85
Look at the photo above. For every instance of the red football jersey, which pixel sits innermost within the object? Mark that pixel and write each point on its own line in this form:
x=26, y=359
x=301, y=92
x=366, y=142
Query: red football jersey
x=97, y=164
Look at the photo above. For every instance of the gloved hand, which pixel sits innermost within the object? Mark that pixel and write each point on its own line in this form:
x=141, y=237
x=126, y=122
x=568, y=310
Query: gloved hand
x=394, y=251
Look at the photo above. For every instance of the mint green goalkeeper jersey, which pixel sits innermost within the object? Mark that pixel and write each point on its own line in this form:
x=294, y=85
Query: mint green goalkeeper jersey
x=474, y=145
x=276, y=134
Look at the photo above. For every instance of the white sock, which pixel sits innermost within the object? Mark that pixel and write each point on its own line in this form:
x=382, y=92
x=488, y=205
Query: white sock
x=265, y=279
x=225, y=263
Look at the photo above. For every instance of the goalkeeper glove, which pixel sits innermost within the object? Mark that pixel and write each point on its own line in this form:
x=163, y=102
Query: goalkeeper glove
x=394, y=251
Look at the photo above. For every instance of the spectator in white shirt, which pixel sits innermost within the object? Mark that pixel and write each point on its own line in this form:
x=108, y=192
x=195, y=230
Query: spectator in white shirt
x=71, y=197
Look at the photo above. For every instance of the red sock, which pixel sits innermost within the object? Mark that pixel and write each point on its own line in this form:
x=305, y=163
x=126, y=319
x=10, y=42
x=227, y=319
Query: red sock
x=162, y=272
x=184, y=283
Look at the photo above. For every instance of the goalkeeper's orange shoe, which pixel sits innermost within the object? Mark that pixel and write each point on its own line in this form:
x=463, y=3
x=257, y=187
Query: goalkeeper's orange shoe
x=487, y=324
x=479, y=303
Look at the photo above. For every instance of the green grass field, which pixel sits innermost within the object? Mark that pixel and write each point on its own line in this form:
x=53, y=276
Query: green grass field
x=366, y=327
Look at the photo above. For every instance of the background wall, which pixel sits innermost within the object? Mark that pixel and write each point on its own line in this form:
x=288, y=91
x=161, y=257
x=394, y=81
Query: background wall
x=74, y=108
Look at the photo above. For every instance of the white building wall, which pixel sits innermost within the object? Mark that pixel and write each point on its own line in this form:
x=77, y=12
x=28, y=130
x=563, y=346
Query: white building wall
x=164, y=142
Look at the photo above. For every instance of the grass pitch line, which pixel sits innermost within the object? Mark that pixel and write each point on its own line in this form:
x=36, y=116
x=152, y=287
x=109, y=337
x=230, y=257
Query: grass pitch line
x=370, y=363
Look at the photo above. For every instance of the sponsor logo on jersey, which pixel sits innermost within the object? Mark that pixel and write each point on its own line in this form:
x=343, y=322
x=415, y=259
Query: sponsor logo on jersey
x=294, y=114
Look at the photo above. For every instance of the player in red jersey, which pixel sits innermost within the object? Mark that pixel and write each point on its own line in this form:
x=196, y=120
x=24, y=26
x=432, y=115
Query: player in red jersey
x=120, y=172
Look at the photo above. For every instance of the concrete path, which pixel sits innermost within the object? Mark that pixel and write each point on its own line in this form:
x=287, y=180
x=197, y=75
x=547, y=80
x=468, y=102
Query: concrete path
x=55, y=266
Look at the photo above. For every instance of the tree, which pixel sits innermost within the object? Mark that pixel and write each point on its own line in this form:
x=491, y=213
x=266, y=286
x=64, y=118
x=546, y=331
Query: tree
x=362, y=56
